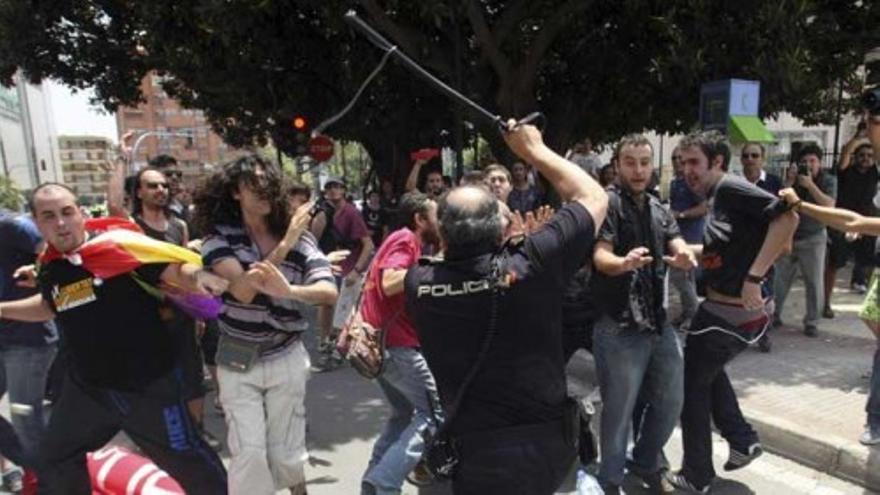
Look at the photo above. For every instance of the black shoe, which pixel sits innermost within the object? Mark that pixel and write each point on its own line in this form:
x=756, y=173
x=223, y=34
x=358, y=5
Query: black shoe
x=764, y=344
x=828, y=313
x=811, y=331
x=656, y=483
x=738, y=460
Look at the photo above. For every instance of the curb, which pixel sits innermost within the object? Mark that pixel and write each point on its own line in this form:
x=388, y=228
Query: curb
x=830, y=454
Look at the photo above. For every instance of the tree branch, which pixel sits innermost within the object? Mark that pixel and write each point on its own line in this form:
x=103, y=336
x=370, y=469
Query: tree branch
x=509, y=20
x=549, y=31
x=490, y=50
x=404, y=38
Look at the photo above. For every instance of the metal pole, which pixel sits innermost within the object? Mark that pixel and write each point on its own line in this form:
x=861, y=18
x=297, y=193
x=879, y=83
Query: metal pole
x=837, y=123
x=458, y=125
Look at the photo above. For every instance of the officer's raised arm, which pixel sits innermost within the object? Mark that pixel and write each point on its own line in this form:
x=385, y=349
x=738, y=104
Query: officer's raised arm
x=572, y=183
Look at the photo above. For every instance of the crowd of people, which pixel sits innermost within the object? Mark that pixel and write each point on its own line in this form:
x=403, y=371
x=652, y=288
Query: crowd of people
x=474, y=375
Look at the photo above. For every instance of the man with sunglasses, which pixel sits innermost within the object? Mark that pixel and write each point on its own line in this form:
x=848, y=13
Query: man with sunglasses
x=857, y=179
x=167, y=164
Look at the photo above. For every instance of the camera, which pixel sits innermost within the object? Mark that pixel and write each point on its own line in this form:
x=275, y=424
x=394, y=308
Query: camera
x=871, y=100
x=801, y=168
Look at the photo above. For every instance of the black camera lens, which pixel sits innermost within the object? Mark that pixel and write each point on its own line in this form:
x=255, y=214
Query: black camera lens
x=871, y=100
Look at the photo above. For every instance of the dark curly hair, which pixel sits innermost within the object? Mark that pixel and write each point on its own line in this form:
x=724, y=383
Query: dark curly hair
x=215, y=202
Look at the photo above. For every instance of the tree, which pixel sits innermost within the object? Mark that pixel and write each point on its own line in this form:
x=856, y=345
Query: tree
x=594, y=67
x=10, y=196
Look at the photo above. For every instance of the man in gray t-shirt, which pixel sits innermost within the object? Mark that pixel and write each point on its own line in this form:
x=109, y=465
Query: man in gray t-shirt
x=810, y=238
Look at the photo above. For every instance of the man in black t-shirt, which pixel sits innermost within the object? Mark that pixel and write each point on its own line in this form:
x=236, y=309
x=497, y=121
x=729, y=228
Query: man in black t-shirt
x=375, y=218
x=121, y=373
x=857, y=179
x=746, y=230
x=512, y=418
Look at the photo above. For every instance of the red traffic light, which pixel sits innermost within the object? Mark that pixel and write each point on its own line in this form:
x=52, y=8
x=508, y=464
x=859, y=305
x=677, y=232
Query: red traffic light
x=299, y=123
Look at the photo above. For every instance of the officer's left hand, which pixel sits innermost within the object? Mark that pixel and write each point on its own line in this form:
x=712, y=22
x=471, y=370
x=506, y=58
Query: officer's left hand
x=683, y=260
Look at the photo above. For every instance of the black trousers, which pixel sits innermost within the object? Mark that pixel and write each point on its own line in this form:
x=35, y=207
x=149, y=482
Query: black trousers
x=532, y=460
x=85, y=418
x=709, y=395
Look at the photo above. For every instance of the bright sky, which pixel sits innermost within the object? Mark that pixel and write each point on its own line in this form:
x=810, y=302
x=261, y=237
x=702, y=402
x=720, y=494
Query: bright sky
x=74, y=115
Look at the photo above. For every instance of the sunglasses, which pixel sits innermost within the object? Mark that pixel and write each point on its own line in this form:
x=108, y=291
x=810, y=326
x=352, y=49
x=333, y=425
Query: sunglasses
x=175, y=174
x=156, y=185
x=753, y=156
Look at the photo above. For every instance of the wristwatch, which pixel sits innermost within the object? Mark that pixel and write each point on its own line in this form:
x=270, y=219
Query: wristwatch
x=755, y=279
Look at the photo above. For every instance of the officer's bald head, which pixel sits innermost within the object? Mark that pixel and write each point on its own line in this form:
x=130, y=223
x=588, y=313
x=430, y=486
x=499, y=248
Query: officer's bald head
x=470, y=222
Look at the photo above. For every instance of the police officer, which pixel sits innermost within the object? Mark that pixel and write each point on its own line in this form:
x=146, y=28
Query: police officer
x=512, y=416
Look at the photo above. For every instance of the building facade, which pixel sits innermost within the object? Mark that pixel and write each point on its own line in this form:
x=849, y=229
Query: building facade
x=28, y=141
x=173, y=130
x=83, y=159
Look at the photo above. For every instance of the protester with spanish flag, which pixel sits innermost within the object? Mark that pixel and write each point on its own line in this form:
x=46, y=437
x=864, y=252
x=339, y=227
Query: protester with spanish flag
x=106, y=289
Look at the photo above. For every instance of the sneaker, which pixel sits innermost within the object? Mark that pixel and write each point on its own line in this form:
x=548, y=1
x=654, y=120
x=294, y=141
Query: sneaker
x=420, y=476
x=738, y=460
x=764, y=344
x=828, y=313
x=811, y=331
x=679, y=481
x=212, y=441
x=859, y=288
x=13, y=480
x=328, y=362
x=871, y=436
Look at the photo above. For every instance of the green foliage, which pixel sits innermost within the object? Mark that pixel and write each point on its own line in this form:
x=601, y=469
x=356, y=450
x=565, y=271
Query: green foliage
x=599, y=68
x=10, y=196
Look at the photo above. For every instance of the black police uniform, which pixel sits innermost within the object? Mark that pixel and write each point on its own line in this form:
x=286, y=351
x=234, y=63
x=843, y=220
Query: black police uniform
x=512, y=425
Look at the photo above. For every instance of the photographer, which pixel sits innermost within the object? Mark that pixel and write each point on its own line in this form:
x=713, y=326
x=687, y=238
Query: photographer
x=810, y=238
x=848, y=221
x=512, y=425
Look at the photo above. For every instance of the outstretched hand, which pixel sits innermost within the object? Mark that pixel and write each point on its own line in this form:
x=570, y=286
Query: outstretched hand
x=683, y=260
x=636, y=258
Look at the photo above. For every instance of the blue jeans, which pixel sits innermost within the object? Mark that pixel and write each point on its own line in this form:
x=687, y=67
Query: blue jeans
x=873, y=406
x=633, y=365
x=407, y=383
x=23, y=372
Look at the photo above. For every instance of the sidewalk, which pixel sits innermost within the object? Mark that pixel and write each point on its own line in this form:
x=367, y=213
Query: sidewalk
x=807, y=397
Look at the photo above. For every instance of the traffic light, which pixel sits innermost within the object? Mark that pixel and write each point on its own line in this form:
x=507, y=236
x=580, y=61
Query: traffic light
x=300, y=125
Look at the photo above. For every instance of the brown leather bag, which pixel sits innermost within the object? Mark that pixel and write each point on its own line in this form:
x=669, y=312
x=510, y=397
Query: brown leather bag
x=362, y=345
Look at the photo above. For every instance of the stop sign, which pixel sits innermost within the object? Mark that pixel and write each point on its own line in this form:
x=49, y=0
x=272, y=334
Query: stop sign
x=321, y=148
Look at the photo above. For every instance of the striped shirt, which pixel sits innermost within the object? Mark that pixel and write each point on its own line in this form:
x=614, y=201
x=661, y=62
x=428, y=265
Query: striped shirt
x=273, y=323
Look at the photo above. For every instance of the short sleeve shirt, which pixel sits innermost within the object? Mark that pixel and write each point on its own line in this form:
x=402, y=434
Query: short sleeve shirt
x=350, y=227
x=681, y=198
x=808, y=226
x=271, y=322
x=856, y=189
x=626, y=227
x=400, y=251
x=113, y=329
x=523, y=379
x=739, y=215
x=19, y=240
x=524, y=200
x=375, y=220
